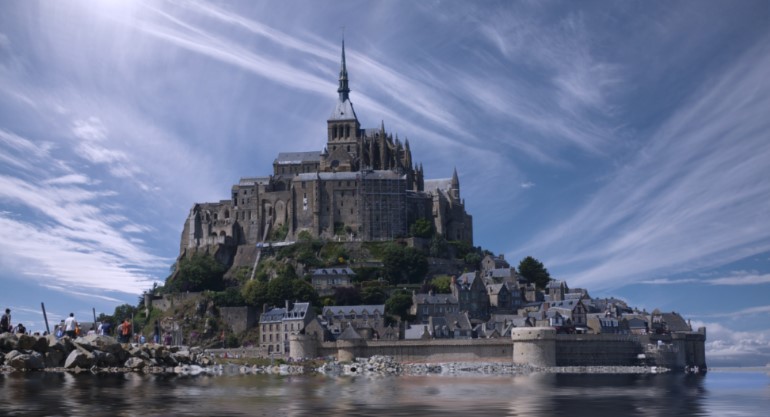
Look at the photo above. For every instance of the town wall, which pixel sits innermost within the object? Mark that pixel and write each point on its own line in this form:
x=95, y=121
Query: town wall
x=168, y=301
x=598, y=349
x=539, y=346
x=239, y=319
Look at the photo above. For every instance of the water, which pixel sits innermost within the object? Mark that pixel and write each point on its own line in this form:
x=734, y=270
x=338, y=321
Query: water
x=63, y=394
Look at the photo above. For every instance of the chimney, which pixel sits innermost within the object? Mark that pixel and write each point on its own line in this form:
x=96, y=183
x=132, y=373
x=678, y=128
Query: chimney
x=286, y=304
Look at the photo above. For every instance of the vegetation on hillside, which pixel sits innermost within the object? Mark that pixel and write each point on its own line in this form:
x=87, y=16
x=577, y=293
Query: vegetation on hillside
x=534, y=272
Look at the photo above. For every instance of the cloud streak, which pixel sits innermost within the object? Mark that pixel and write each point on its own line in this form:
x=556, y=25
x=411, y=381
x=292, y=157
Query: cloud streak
x=692, y=197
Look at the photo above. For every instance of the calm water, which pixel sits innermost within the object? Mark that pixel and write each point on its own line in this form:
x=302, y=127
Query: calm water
x=55, y=394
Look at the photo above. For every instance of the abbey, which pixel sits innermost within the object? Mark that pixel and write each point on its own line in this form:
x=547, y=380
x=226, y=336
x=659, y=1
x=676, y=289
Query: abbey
x=364, y=185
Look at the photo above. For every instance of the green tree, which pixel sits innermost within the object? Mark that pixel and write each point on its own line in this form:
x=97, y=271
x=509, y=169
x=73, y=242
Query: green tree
x=124, y=311
x=347, y=296
x=398, y=304
x=421, y=228
x=439, y=247
x=254, y=293
x=442, y=284
x=404, y=265
x=373, y=295
x=197, y=273
x=534, y=272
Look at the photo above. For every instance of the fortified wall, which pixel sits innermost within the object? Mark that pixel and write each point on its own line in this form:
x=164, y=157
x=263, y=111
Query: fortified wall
x=534, y=346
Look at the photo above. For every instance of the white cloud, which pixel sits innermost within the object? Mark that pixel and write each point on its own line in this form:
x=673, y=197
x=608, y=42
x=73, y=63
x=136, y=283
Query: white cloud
x=728, y=347
x=69, y=179
x=692, y=198
x=527, y=184
x=91, y=129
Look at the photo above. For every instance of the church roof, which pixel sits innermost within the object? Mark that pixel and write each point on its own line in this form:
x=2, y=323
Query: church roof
x=343, y=111
x=254, y=180
x=297, y=157
x=442, y=184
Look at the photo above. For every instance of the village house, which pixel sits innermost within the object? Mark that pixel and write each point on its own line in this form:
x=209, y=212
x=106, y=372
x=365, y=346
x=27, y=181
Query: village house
x=277, y=324
x=472, y=297
x=326, y=280
x=429, y=305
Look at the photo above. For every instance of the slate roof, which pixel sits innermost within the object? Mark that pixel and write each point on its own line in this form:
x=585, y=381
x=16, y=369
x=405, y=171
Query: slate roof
x=675, y=322
x=434, y=299
x=285, y=158
x=442, y=184
x=343, y=111
x=357, y=310
x=333, y=271
x=298, y=311
x=349, y=334
x=254, y=180
x=272, y=315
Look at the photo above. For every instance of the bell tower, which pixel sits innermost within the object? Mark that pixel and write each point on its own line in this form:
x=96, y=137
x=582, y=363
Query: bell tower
x=343, y=129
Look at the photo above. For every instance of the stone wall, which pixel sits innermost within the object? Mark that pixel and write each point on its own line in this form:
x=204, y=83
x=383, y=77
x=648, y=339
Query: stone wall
x=239, y=319
x=598, y=349
x=538, y=346
x=170, y=300
x=446, y=350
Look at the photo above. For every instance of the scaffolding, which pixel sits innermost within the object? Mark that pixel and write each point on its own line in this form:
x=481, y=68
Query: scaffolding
x=382, y=205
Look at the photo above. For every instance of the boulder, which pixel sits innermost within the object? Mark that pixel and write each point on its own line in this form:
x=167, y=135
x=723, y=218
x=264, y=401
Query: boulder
x=24, y=360
x=54, y=358
x=135, y=363
x=8, y=342
x=79, y=358
x=27, y=342
x=99, y=342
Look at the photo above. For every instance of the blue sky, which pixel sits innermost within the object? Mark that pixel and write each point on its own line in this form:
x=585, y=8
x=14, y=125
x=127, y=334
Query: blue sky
x=624, y=144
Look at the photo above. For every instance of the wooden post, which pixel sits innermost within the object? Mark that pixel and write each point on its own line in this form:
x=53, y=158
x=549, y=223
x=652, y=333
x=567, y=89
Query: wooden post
x=45, y=317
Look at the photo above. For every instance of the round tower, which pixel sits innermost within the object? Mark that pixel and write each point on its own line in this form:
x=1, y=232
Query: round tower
x=535, y=346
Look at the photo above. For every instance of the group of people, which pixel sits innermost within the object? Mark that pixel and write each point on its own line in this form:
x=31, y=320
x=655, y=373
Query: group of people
x=71, y=328
x=7, y=327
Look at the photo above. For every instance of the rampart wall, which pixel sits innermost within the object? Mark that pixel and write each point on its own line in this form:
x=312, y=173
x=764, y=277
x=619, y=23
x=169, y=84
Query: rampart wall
x=538, y=346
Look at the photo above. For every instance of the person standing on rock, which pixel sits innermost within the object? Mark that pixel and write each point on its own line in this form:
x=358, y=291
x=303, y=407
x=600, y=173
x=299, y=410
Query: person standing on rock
x=126, y=331
x=156, y=333
x=70, y=324
x=5, y=321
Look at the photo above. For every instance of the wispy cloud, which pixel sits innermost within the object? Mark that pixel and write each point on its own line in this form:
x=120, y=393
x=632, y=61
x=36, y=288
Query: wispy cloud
x=527, y=184
x=693, y=197
x=726, y=346
x=738, y=279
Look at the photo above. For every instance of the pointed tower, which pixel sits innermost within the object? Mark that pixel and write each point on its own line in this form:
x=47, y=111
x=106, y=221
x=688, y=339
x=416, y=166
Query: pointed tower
x=454, y=189
x=343, y=129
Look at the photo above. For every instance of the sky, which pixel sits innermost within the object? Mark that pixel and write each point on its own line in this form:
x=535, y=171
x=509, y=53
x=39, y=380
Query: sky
x=623, y=144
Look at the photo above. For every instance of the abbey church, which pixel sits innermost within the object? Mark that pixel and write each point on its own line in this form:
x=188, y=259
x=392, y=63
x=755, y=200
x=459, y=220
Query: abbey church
x=362, y=186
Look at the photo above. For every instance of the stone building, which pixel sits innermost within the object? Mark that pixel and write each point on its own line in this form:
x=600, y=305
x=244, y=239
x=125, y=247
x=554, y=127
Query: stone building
x=363, y=185
x=278, y=324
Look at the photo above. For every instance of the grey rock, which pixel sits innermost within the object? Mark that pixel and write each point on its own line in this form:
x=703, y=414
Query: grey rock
x=135, y=363
x=79, y=358
x=24, y=360
x=54, y=358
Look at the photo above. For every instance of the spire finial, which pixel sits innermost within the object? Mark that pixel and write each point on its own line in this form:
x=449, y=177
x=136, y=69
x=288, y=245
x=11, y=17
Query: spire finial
x=343, y=89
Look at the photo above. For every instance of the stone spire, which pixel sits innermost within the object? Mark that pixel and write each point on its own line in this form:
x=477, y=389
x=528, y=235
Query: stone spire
x=343, y=89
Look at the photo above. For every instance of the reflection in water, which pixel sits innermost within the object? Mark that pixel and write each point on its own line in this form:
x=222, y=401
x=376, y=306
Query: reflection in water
x=63, y=394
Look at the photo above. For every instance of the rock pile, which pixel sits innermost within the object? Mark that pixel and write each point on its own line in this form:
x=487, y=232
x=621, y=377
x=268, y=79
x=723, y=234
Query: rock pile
x=25, y=352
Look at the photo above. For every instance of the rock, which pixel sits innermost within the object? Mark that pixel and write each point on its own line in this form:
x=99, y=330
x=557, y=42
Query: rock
x=8, y=342
x=79, y=358
x=54, y=358
x=24, y=360
x=135, y=363
x=182, y=356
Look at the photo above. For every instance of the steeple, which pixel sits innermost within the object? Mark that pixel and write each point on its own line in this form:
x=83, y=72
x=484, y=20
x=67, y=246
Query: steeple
x=343, y=89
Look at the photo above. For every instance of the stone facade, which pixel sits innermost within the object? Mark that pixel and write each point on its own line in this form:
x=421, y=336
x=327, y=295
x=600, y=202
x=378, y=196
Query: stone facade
x=363, y=185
